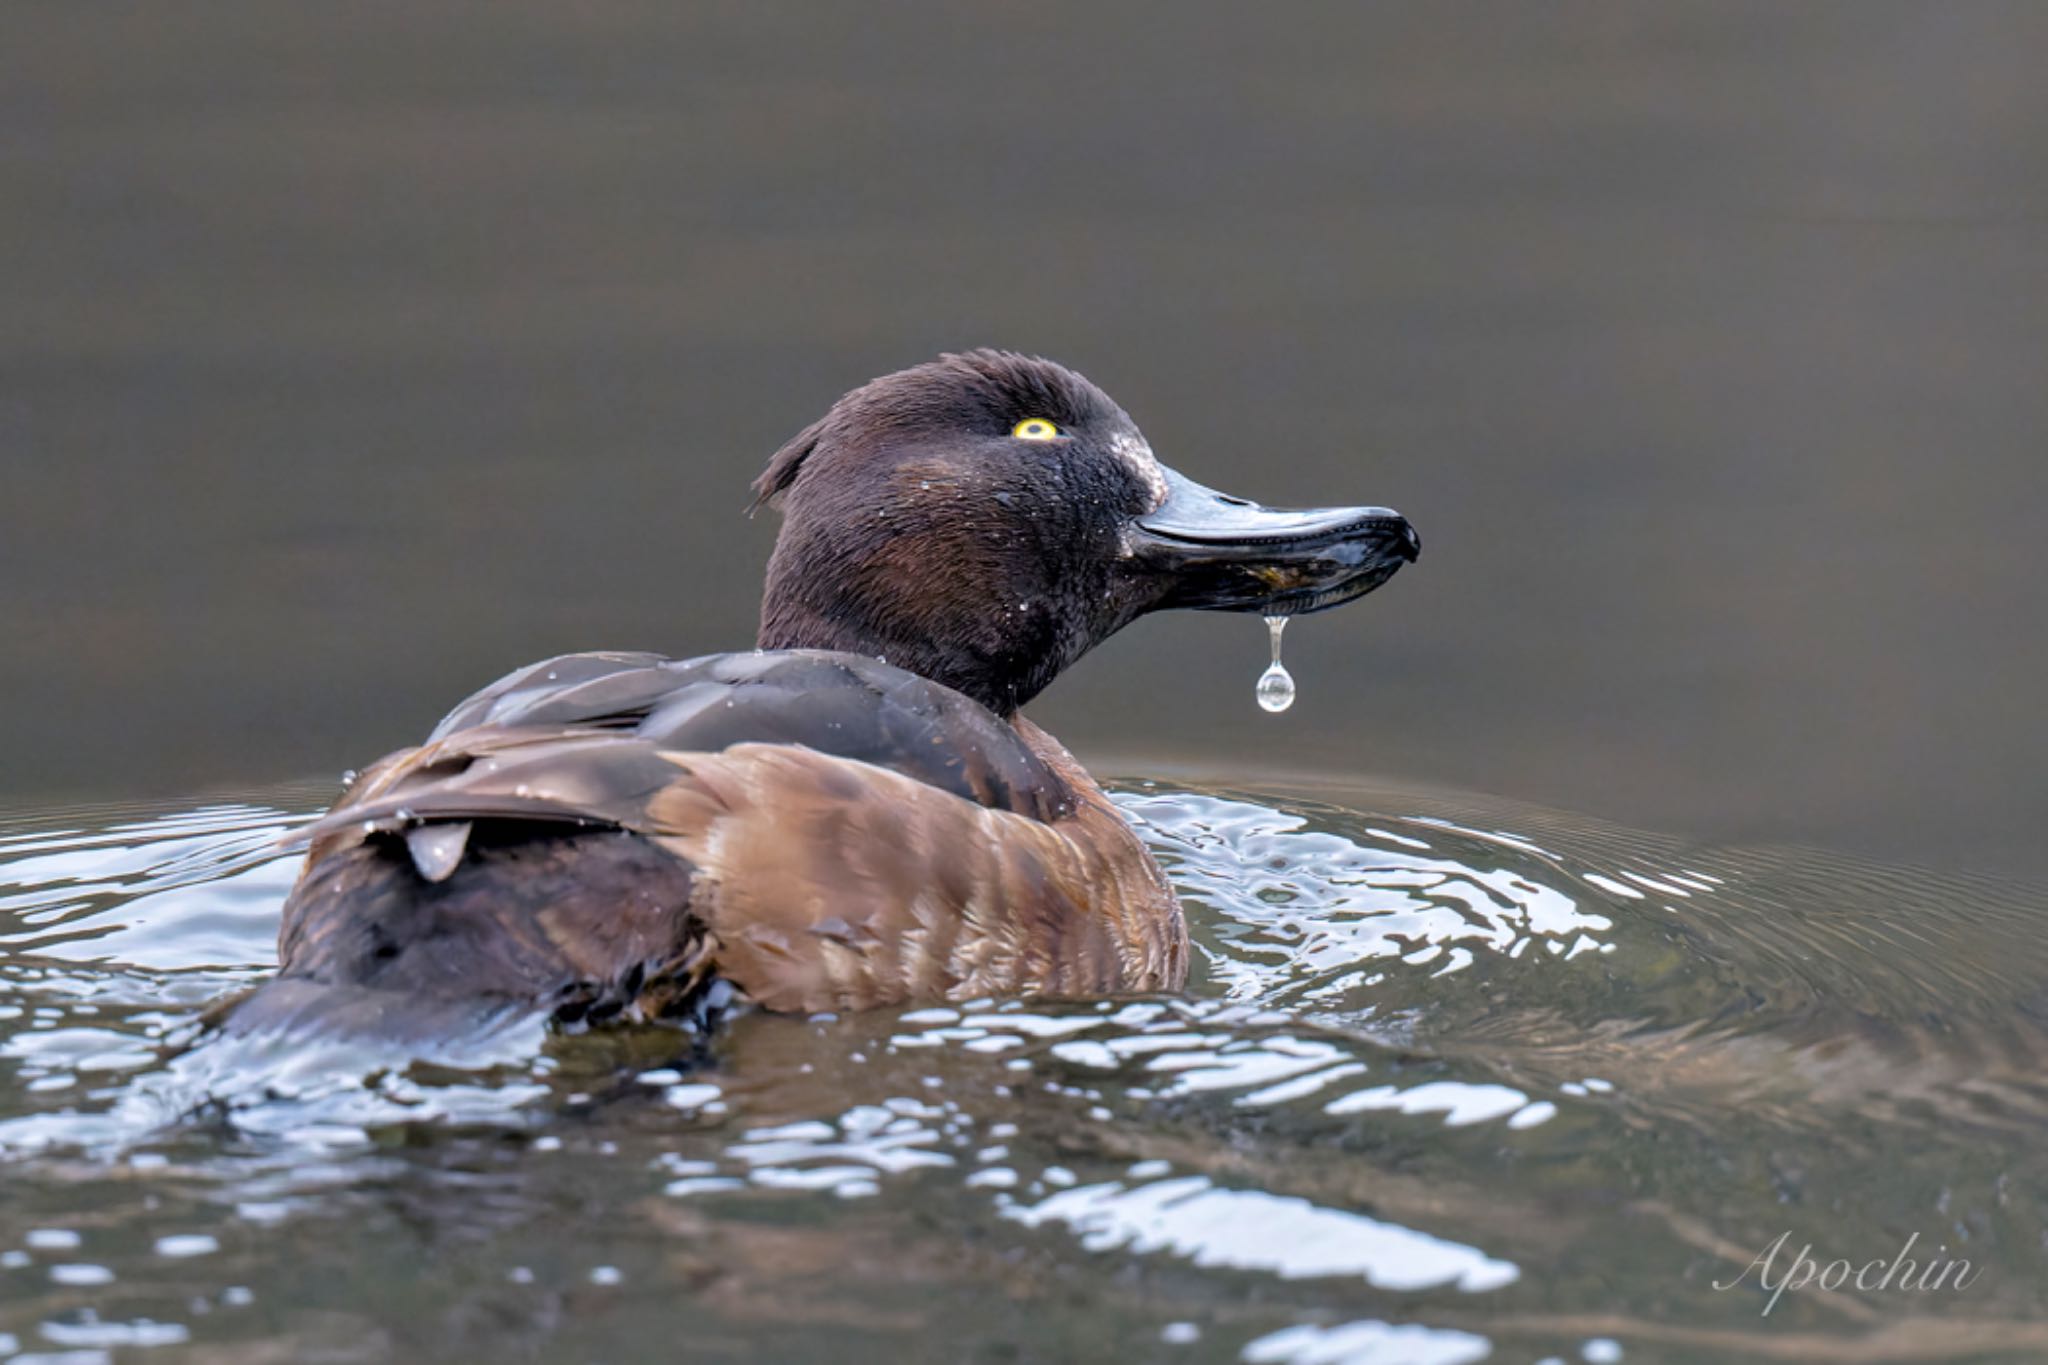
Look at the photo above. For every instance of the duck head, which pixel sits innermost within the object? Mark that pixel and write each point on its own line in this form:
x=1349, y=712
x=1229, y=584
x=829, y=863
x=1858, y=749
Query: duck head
x=985, y=519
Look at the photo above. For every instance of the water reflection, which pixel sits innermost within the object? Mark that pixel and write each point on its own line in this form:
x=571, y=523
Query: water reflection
x=1366, y=1343
x=1452, y=1079
x=1312, y=916
x=1253, y=1230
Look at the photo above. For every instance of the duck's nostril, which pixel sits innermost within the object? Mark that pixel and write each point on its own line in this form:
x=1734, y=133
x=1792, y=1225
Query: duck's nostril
x=1229, y=501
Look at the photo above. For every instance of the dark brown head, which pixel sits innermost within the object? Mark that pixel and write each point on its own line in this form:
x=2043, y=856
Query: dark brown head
x=985, y=519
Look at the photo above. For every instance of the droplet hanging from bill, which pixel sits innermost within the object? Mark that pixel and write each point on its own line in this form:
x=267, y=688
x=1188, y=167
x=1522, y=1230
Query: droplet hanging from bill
x=1276, y=685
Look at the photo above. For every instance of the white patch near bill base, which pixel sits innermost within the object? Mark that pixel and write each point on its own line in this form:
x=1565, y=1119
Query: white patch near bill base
x=1133, y=451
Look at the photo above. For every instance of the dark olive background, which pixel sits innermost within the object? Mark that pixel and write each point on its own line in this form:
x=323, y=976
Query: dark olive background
x=353, y=354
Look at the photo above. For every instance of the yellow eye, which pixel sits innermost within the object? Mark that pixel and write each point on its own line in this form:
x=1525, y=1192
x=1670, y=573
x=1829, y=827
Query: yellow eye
x=1035, y=429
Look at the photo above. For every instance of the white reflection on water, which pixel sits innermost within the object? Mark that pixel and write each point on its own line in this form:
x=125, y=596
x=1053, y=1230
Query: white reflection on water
x=1314, y=916
x=195, y=890
x=94, y=1336
x=1196, y=1048
x=319, y=1095
x=1459, y=1102
x=848, y=1156
x=1366, y=1343
x=1252, y=1230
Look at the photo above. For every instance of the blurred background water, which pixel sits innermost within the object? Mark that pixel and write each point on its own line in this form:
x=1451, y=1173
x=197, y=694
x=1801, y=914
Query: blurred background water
x=353, y=356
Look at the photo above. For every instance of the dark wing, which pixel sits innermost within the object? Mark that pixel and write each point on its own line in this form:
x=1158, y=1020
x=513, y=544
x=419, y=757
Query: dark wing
x=845, y=705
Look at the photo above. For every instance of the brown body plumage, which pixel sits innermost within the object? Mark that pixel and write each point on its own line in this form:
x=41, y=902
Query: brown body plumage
x=808, y=825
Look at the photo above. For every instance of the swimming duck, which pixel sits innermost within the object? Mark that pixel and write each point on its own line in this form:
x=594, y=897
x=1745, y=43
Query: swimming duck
x=854, y=814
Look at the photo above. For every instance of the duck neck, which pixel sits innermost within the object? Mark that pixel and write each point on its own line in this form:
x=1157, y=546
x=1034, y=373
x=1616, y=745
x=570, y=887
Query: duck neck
x=1001, y=664
x=996, y=679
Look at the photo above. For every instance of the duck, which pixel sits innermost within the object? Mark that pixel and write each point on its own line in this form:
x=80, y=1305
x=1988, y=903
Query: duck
x=856, y=813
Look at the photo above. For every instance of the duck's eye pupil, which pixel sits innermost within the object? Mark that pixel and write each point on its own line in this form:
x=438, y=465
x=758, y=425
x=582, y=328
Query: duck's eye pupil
x=1034, y=429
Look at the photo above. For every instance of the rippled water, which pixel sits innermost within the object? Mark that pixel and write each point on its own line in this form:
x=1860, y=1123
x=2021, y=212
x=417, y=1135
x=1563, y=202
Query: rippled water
x=1455, y=1080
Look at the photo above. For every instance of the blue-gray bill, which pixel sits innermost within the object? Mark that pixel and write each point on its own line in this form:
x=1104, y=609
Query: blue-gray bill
x=1225, y=553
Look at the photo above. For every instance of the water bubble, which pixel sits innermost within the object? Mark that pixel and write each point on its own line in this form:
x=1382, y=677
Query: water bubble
x=1276, y=685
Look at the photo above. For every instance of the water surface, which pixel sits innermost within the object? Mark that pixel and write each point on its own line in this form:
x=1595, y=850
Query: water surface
x=1455, y=1080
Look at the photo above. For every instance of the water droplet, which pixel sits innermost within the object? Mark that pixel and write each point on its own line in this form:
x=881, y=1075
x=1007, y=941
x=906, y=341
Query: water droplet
x=1276, y=686
x=1276, y=689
